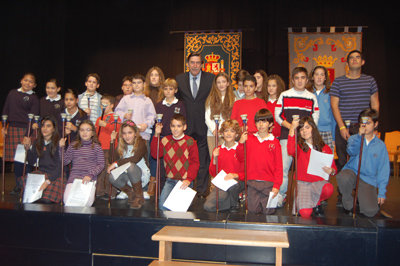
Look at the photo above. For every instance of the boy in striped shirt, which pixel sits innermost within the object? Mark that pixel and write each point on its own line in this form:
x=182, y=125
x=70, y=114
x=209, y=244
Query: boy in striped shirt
x=295, y=101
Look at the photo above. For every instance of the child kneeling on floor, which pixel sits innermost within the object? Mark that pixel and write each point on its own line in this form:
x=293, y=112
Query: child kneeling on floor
x=264, y=162
x=311, y=189
x=375, y=168
x=225, y=156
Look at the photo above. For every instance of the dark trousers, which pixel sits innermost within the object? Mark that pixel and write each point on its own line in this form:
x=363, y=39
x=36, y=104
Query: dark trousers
x=341, y=145
x=204, y=158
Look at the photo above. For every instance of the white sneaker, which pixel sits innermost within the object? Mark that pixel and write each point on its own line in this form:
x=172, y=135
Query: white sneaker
x=146, y=195
x=121, y=195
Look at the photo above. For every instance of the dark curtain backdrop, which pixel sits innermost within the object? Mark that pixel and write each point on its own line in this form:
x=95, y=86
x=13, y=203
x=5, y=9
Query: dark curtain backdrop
x=69, y=39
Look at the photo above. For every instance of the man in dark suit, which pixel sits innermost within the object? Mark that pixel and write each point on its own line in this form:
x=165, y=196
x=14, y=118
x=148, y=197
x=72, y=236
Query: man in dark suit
x=193, y=88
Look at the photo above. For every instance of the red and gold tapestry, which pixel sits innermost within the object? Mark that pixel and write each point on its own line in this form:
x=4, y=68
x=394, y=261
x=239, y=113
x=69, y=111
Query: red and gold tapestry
x=327, y=49
x=221, y=52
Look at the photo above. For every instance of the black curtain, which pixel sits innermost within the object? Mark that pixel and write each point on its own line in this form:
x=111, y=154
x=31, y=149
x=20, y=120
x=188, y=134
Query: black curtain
x=69, y=39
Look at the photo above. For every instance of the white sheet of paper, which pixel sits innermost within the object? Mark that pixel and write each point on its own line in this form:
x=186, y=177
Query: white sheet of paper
x=20, y=153
x=317, y=161
x=221, y=183
x=79, y=193
x=273, y=202
x=179, y=200
x=33, y=183
x=116, y=172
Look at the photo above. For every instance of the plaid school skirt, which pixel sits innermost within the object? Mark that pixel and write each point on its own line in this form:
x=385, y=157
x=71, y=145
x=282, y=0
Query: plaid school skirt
x=308, y=194
x=328, y=139
x=54, y=192
x=14, y=136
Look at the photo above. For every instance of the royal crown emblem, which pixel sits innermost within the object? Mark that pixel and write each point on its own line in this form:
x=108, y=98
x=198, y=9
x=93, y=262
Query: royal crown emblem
x=325, y=61
x=212, y=65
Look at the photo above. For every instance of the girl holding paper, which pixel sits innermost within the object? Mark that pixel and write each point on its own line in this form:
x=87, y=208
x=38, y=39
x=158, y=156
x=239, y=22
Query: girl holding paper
x=227, y=161
x=86, y=156
x=46, y=151
x=311, y=189
x=131, y=149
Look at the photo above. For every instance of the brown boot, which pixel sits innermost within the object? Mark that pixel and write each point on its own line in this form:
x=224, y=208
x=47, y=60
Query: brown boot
x=138, y=197
x=152, y=186
x=128, y=191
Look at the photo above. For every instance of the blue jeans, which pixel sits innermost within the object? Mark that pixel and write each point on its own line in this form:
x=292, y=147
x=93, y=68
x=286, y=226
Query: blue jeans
x=168, y=187
x=286, y=161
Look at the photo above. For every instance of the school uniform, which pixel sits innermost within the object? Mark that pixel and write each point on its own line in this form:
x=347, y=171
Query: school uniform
x=51, y=107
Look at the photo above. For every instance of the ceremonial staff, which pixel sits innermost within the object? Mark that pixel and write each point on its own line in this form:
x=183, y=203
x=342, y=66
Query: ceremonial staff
x=63, y=116
x=158, y=170
x=244, y=119
x=4, y=121
x=216, y=120
x=36, y=118
x=103, y=108
x=112, y=147
x=364, y=121
x=30, y=117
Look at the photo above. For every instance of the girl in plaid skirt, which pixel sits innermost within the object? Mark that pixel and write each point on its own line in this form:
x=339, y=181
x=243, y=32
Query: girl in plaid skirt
x=45, y=151
x=19, y=103
x=311, y=189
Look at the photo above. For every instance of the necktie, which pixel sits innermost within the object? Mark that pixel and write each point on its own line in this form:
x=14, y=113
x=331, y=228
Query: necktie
x=194, y=87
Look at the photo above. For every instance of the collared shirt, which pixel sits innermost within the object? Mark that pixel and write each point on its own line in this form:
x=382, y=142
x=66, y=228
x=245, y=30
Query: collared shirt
x=57, y=98
x=197, y=81
x=164, y=102
x=269, y=137
x=72, y=115
x=94, y=105
x=27, y=92
x=230, y=148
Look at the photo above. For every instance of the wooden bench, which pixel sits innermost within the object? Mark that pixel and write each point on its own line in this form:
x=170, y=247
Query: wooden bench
x=218, y=236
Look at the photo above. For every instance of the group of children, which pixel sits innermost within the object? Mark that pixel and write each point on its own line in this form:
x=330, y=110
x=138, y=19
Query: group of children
x=262, y=127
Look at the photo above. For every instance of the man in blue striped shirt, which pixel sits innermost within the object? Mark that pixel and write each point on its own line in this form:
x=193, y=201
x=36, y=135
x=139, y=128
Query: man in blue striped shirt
x=350, y=94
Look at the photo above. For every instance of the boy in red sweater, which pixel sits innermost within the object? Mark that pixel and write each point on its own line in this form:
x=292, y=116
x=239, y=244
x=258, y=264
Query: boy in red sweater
x=181, y=156
x=104, y=128
x=249, y=105
x=264, y=162
x=225, y=156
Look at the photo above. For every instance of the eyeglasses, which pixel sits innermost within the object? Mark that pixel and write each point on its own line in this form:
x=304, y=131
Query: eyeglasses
x=85, y=130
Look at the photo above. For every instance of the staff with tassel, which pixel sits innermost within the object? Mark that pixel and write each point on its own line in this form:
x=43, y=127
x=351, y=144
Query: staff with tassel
x=4, y=121
x=103, y=108
x=30, y=117
x=63, y=117
x=364, y=121
x=158, y=169
x=216, y=120
x=295, y=118
x=36, y=118
x=244, y=120
x=112, y=147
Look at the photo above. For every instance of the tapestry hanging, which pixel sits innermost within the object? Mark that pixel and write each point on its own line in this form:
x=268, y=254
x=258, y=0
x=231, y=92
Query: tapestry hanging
x=328, y=49
x=221, y=52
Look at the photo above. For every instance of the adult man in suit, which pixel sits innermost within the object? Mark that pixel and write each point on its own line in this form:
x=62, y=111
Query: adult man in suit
x=193, y=88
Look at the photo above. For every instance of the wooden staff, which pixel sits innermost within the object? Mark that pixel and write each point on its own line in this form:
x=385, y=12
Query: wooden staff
x=36, y=118
x=158, y=169
x=63, y=116
x=364, y=122
x=68, y=117
x=30, y=117
x=295, y=117
x=103, y=108
x=112, y=147
x=4, y=121
x=244, y=119
x=216, y=120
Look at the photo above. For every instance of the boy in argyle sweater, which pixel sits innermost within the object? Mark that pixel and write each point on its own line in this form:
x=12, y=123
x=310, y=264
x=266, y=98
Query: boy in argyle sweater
x=181, y=156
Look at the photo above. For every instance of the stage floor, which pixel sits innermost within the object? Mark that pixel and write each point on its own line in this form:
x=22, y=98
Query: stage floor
x=122, y=236
x=333, y=213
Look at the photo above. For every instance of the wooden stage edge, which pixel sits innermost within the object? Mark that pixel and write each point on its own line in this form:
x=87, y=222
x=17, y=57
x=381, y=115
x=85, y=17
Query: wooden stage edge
x=40, y=234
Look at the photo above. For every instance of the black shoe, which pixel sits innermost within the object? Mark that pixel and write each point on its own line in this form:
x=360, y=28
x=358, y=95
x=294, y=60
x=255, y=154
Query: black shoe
x=348, y=212
x=234, y=209
x=318, y=211
x=15, y=191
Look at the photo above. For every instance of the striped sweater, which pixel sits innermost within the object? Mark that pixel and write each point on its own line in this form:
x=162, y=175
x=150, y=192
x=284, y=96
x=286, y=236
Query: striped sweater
x=86, y=160
x=293, y=102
